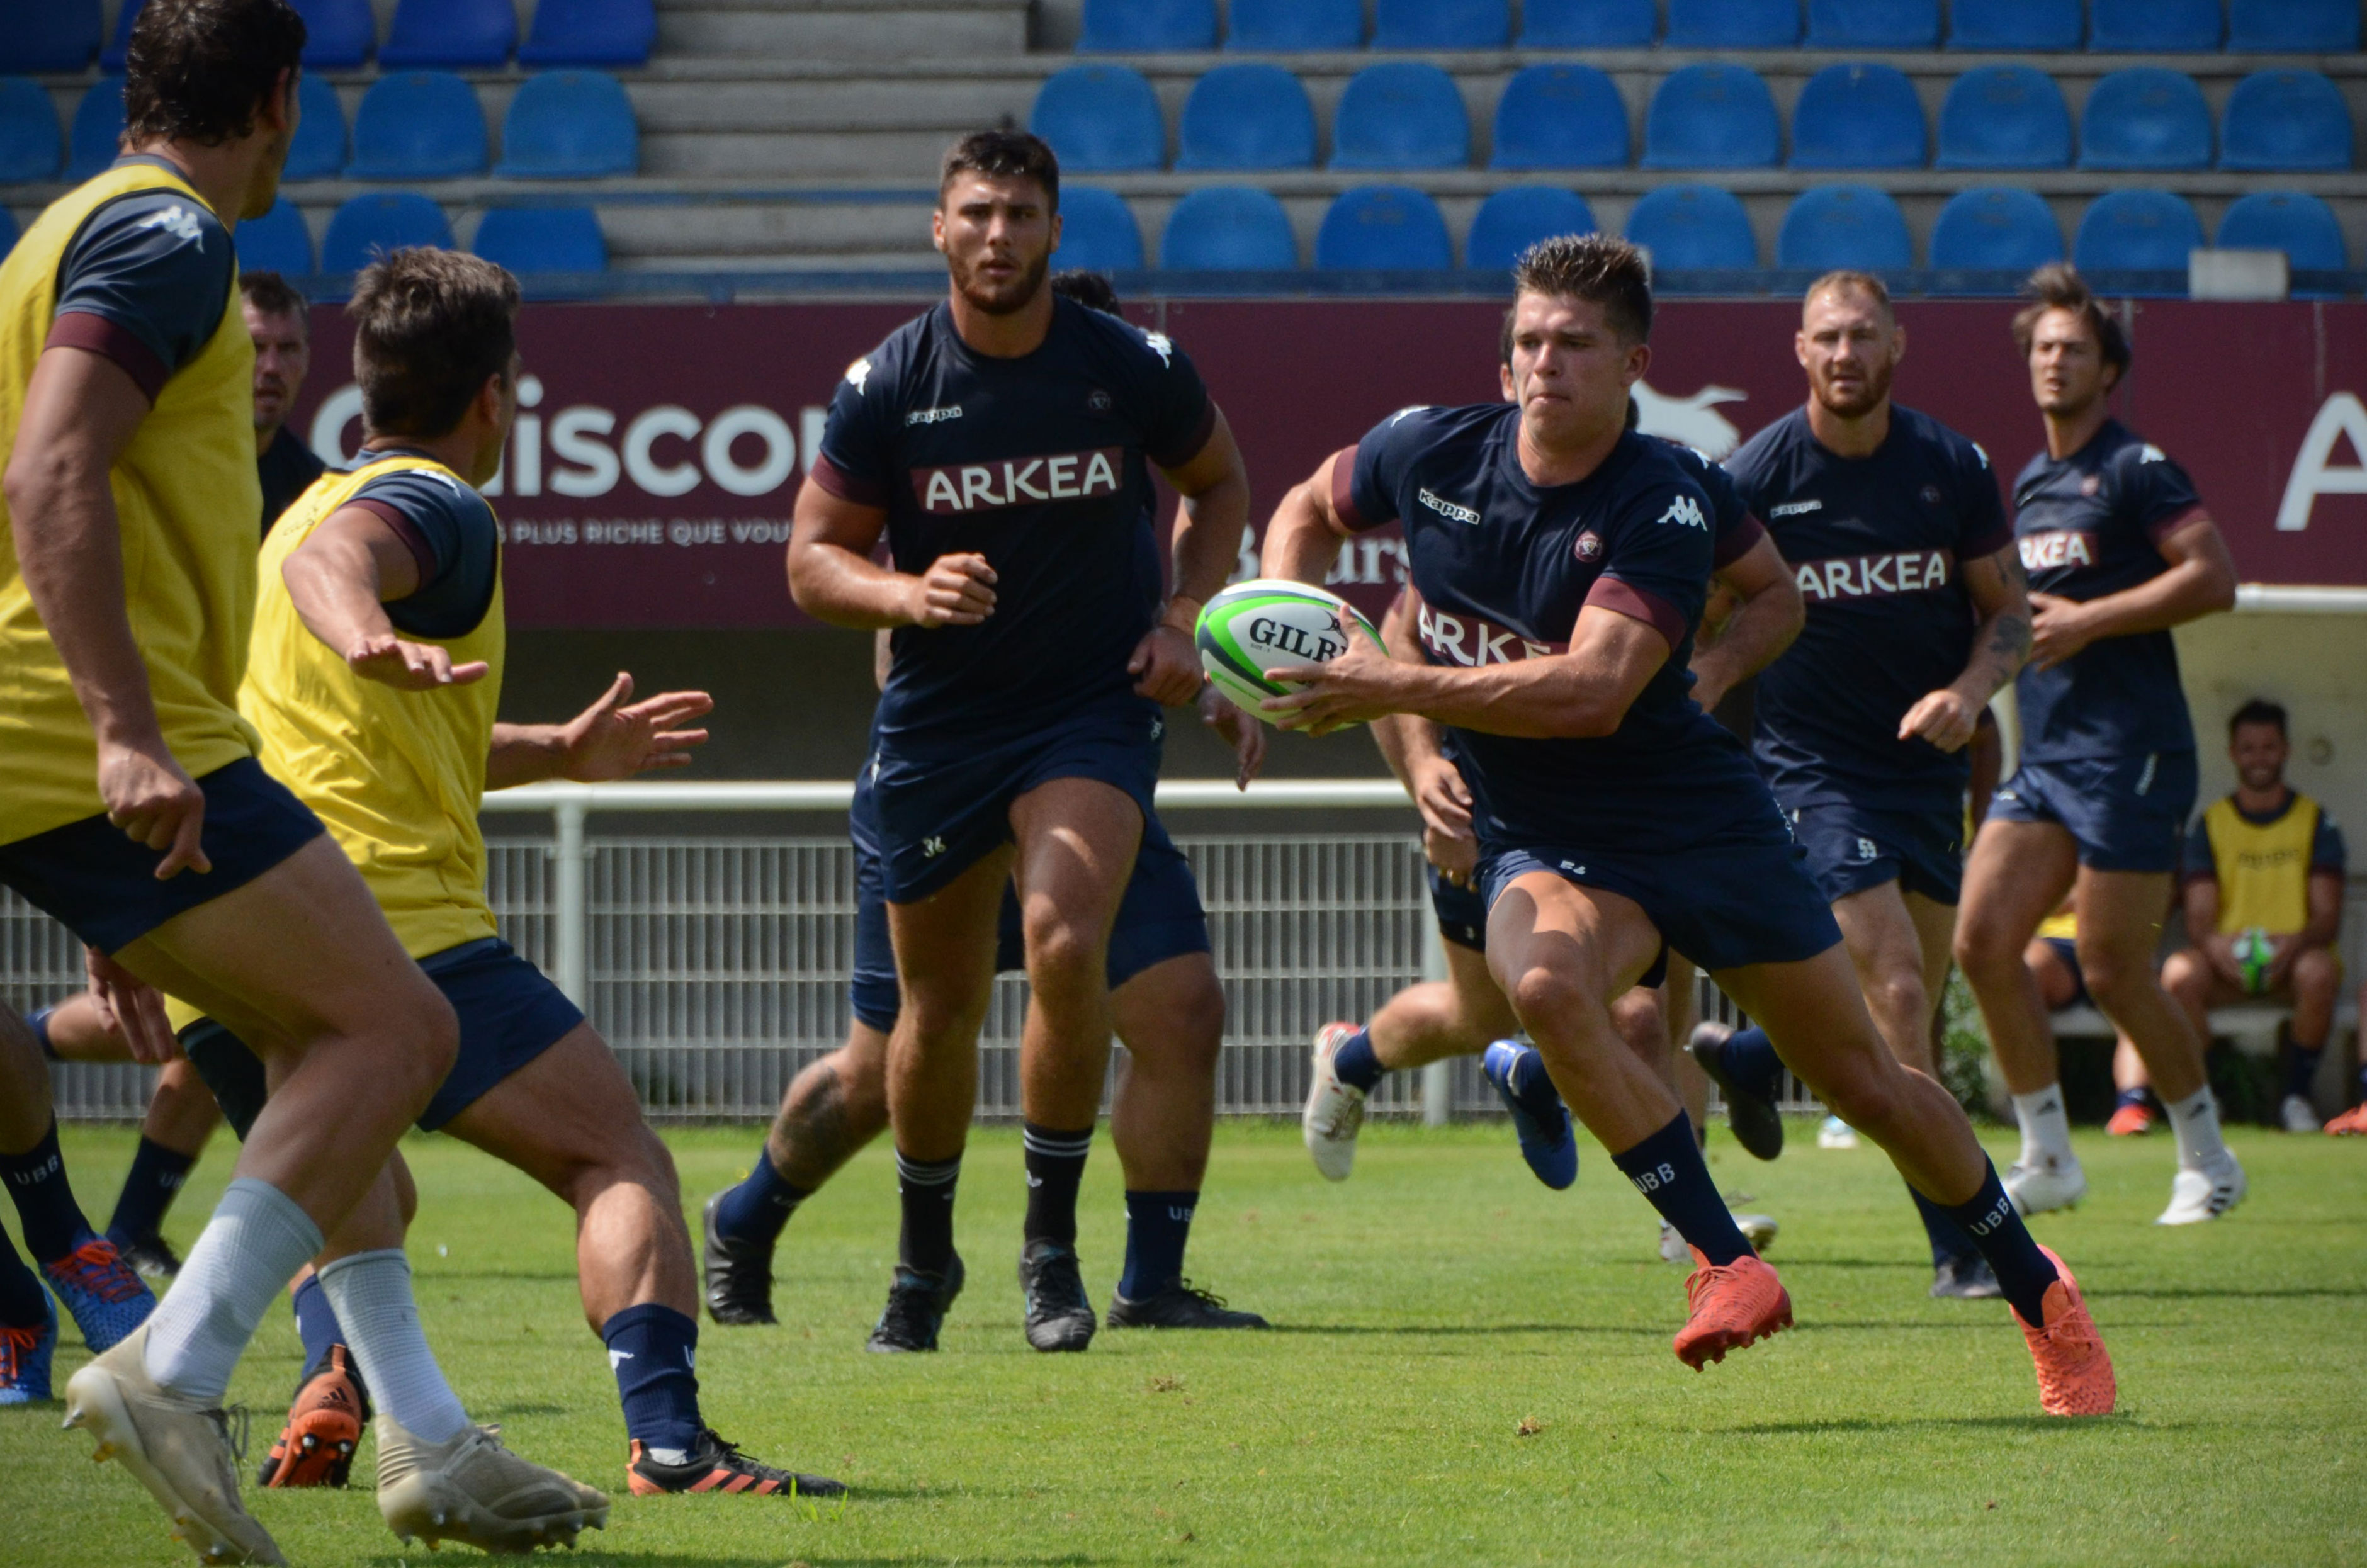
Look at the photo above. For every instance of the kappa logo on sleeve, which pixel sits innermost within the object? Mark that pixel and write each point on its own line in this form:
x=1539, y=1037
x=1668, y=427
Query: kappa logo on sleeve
x=1163, y=346
x=178, y=221
x=858, y=373
x=1019, y=481
x=1685, y=513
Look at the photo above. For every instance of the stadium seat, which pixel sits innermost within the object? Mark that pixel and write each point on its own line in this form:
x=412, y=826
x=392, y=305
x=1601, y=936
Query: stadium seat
x=2154, y=27
x=570, y=125
x=2318, y=26
x=1852, y=226
x=1441, y=24
x=418, y=125
x=1874, y=24
x=1996, y=228
x=2285, y=119
x=1386, y=229
x=1403, y=115
x=449, y=33
x=7, y=232
x=1290, y=26
x=590, y=32
x=2004, y=117
x=1137, y=27
x=1712, y=117
x=2146, y=118
x=1101, y=117
x=277, y=241
x=320, y=149
x=1694, y=228
x=1229, y=229
x=1097, y=231
x=2300, y=225
x=31, y=147
x=1560, y=117
x=2015, y=24
x=1858, y=116
x=534, y=242
x=1733, y=24
x=1512, y=221
x=120, y=43
x=338, y=34
x=1589, y=24
x=48, y=35
x=369, y=226
x=1245, y=117
x=2137, y=230
x=98, y=132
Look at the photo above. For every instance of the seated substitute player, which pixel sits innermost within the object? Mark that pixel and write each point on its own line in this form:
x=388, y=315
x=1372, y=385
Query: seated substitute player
x=2118, y=549
x=1003, y=443
x=1917, y=614
x=1614, y=817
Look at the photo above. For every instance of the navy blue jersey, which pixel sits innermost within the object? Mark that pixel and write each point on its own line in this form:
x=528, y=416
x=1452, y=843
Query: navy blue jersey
x=286, y=467
x=1042, y=464
x=1732, y=528
x=1503, y=569
x=2089, y=525
x=152, y=270
x=453, y=538
x=1877, y=544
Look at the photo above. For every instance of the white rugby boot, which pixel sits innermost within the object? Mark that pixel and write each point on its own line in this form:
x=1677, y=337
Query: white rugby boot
x=2054, y=1183
x=473, y=1489
x=2204, y=1192
x=1335, y=1111
x=2299, y=1115
x=1758, y=1230
x=1672, y=1245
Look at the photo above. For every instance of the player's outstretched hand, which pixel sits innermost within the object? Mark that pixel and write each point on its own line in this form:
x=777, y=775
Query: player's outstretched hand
x=609, y=740
x=957, y=591
x=409, y=666
x=2058, y=631
x=1352, y=688
x=154, y=801
x=1245, y=735
x=1944, y=717
x=130, y=1010
x=1166, y=667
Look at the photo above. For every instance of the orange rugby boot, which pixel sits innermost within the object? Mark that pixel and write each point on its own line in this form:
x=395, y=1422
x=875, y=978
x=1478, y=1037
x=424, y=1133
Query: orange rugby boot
x=2351, y=1124
x=324, y=1425
x=2075, y=1372
x=2133, y=1119
x=1733, y=1306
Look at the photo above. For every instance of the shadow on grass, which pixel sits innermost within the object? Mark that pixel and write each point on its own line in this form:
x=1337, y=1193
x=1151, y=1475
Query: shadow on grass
x=1926, y=1423
x=2215, y=1292
x=596, y=1559
x=1461, y=1330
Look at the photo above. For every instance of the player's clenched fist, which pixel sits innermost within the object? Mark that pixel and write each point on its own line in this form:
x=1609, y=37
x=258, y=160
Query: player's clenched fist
x=1944, y=717
x=957, y=591
x=409, y=666
x=155, y=803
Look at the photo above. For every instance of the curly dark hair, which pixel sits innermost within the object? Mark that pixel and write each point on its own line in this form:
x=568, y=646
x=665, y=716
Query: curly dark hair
x=430, y=327
x=199, y=70
x=1003, y=154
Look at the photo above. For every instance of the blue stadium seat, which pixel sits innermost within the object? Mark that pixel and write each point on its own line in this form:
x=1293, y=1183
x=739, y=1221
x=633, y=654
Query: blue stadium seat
x=2146, y=118
x=1589, y=24
x=1996, y=228
x=1290, y=26
x=1712, y=117
x=98, y=132
x=570, y=125
x=1512, y=221
x=1852, y=226
x=449, y=33
x=31, y=147
x=2015, y=24
x=1403, y=115
x=1136, y=27
x=7, y=232
x=120, y=43
x=2285, y=119
x=1441, y=24
x=418, y=125
x=2300, y=225
x=1097, y=231
x=1874, y=24
x=1560, y=117
x=1229, y=229
x=48, y=35
x=320, y=149
x=590, y=32
x=1101, y=117
x=532, y=241
x=277, y=241
x=369, y=226
x=2155, y=26
x=1858, y=116
x=2004, y=117
x=1733, y=24
x=1386, y=229
x=2137, y=230
x=1694, y=229
x=338, y=34
x=2320, y=27
x=1245, y=117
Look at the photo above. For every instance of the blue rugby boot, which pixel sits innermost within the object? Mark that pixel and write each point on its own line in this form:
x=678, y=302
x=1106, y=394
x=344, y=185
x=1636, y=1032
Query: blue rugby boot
x=106, y=1299
x=1539, y=1117
x=25, y=1359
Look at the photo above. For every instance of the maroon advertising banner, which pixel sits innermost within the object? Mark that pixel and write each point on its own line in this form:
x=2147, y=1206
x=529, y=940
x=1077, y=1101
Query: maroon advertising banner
x=659, y=449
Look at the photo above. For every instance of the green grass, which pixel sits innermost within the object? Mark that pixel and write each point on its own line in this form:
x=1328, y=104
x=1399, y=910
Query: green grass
x=1431, y=1309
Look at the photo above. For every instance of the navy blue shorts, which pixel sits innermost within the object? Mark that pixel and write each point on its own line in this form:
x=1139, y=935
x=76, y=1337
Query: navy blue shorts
x=2066, y=952
x=1462, y=912
x=103, y=888
x=2126, y=812
x=940, y=815
x=509, y=1011
x=1852, y=848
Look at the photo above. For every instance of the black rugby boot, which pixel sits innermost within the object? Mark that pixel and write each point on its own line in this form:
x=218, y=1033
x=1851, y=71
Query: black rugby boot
x=739, y=1274
x=917, y=1304
x=1180, y=1304
x=1059, y=1313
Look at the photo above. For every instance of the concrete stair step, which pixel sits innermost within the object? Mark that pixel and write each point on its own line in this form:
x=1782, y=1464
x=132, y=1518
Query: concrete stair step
x=843, y=29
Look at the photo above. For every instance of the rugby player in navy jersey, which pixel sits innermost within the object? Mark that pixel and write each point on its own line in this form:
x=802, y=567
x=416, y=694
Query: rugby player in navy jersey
x=1003, y=443
x=1562, y=563
x=2119, y=550
x=1917, y=613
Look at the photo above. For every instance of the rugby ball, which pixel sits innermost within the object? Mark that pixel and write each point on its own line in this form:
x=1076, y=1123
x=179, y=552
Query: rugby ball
x=1269, y=623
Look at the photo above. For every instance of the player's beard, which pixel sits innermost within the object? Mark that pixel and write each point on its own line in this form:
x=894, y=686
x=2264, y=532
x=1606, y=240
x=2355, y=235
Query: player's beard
x=1861, y=400
x=1010, y=298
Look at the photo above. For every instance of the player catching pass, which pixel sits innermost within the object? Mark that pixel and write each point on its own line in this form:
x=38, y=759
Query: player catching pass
x=2119, y=550
x=1004, y=444
x=1614, y=817
x=1917, y=614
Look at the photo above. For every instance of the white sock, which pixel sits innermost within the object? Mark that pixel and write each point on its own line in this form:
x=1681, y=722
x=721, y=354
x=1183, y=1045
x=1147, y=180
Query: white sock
x=256, y=1240
x=2046, y=1130
x=370, y=1292
x=2195, y=1119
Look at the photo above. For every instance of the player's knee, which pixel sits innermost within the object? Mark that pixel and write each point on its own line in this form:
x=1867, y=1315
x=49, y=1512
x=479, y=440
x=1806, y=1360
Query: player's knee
x=1862, y=1093
x=1985, y=947
x=1062, y=953
x=2316, y=975
x=1545, y=998
x=427, y=1024
x=1899, y=993
x=2184, y=975
x=2113, y=975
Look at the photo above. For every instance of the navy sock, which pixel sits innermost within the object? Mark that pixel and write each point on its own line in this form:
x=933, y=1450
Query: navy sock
x=2303, y=1072
x=1355, y=1064
x=925, y=1191
x=1949, y=1242
x=38, y=1021
x=1750, y=1060
x=45, y=1204
x=1056, y=1163
x=1996, y=1227
x=1668, y=1171
x=654, y=1351
x=155, y=1180
x=757, y=1209
x=2137, y=1096
x=316, y=1324
x=1156, y=1227
x=23, y=1303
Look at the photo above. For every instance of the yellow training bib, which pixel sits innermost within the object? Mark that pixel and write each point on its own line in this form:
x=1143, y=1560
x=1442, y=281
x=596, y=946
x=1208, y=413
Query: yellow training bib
x=2262, y=867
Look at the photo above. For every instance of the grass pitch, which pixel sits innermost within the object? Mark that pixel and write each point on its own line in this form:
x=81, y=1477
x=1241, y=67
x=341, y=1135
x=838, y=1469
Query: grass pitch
x=1469, y=1369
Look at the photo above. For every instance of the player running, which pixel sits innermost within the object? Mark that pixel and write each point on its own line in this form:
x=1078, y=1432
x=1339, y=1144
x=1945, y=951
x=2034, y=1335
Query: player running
x=1003, y=443
x=1563, y=563
x=2118, y=549
x=1917, y=613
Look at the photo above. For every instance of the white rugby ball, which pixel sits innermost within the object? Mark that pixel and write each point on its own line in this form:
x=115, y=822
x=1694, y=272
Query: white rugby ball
x=1265, y=623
